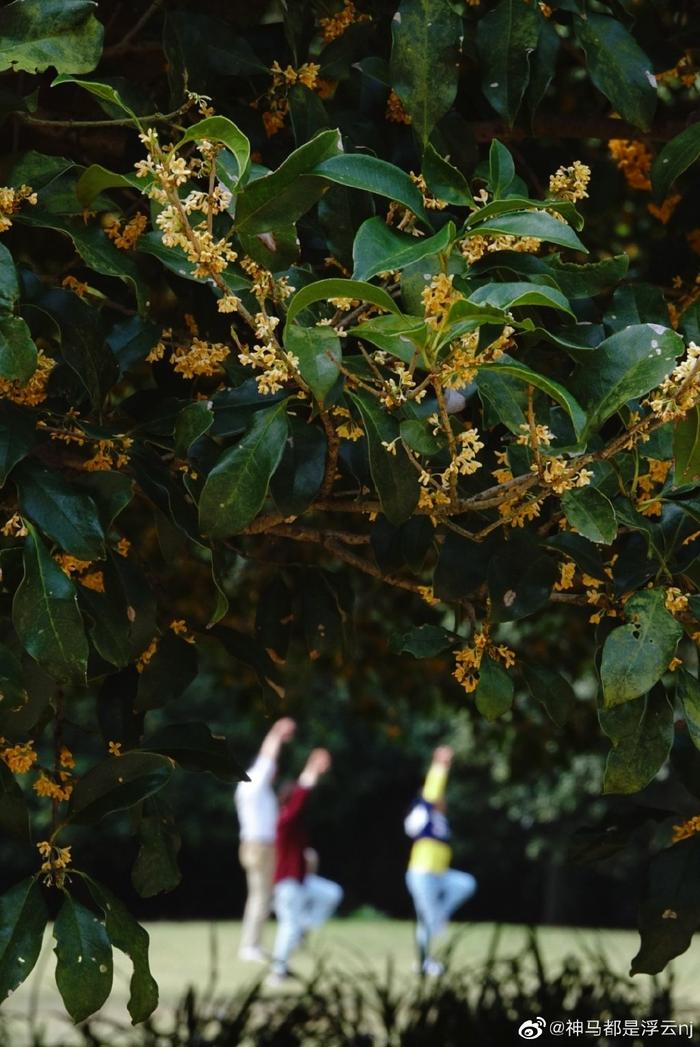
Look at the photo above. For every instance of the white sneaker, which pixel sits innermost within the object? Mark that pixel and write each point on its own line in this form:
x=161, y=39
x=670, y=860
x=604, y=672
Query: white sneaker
x=252, y=954
x=276, y=980
x=433, y=968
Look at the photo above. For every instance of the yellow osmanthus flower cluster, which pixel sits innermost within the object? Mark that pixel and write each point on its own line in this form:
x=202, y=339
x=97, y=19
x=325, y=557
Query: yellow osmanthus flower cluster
x=50, y=789
x=180, y=628
x=430, y=202
x=567, y=570
x=166, y=173
x=335, y=25
x=10, y=202
x=514, y=509
x=14, y=527
x=468, y=659
x=561, y=476
x=465, y=461
x=72, y=565
x=114, y=748
x=570, y=183
x=474, y=248
x=437, y=298
x=664, y=211
x=109, y=454
x=19, y=758
x=634, y=159
x=34, y=391
x=680, y=391
x=282, y=79
x=127, y=236
x=460, y=365
x=146, y=655
x=675, y=601
x=346, y=427
x=264, y=283
x=71, y=283
x=395, y=111
x=277, y=366
x=55, y=864
x=687, y=828
x=645, y=502
x=541, y=434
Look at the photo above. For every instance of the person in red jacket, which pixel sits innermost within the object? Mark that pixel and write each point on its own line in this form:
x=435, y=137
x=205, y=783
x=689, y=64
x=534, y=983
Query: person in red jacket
x=302, y=899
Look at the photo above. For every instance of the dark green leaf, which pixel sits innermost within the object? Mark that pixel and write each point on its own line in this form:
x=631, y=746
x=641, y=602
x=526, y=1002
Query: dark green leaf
x=688, y=692
x=171, y=669
x=193, y=421
x=670, y=911
x=359, y=171
x=555, y=694
x=319, y=354
x=505, y=39
x=520, y=579
x=46, y=616
x=511, y=295
x=444, y=180
x=300, y=473
x=280, y=198
x=501, y=169
x=96, y=178
x=625, y=366
x=394, y=477
x=618, y=67
x=155, y=869
x=14, y=813
x=236, y=487
x=641, y=733
x=194, y=747
x=686, y=448
x=23, y=917
x=83, y=959
x=67, y=516
x=426, y=42
x=36, y=34
x=527, y=223
x=17, y=350
x=636, y=655
x=378, y=249
x=494, y=692
x=9, y=284
x=675, y=158
x=221, y=129
x=17, y=436
x=322, y=290
x=424, y=641
x=129, y=937
x=591, y=514
x=117, y=783
x=557, y=392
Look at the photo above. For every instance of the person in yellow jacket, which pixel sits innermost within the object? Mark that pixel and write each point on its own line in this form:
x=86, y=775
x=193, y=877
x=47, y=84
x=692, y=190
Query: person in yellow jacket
x=436, y=889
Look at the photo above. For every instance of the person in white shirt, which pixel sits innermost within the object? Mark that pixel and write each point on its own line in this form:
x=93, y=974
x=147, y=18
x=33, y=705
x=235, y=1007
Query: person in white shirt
x=257, y=808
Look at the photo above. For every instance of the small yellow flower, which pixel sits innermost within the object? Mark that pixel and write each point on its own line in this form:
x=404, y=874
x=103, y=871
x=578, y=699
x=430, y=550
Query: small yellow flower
x=115, y=749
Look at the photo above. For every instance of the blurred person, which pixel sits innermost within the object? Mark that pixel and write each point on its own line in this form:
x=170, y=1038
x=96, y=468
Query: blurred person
x=436, y=889
x=302, y=899
x=257, y=808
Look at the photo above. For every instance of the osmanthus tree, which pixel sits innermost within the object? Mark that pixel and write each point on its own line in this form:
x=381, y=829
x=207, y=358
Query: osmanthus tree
x=263, y=293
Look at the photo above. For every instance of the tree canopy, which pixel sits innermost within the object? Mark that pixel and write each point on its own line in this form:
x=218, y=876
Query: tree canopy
x=317, y=295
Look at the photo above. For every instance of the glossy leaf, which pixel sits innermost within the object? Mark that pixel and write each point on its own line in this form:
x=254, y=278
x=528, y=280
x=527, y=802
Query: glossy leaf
x=130, y=938
x=83, y=959
x=512, y=295
x=424, y=641
x=17, y=436
x=625, y=366
x=64, y=514
x=394, y=477
x=117, y=783
x=444, y=180
x=302, y=468
x=14, y=813
x=426, y=41
x=322, y=290
x=378, y=249
x=36, y=34
x=557, y=392
x=686, y=448
x=46, y=616
x=636, y=655
x=23, y=917
x=591, y=514
x=319, y=354
x=17, y=350
x=618, y=67
x=675, y=158
x=533, y=223
x=641, y=733
x=359, y=171
x=236, y=487
x=155, y=869
x=688, y=693
x=221, y=129
x=9, y=284
x=505, y=38
x=494, y=692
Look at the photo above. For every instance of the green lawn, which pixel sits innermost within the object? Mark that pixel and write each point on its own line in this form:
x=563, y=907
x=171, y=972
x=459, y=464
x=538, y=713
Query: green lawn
x=193, y=952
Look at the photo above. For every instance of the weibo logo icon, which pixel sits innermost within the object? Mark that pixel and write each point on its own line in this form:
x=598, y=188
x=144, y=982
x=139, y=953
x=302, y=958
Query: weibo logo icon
x=532, y=1029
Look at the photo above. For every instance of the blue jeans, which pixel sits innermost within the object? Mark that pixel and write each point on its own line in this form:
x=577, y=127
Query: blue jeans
x=299, y=907
x=435, y=897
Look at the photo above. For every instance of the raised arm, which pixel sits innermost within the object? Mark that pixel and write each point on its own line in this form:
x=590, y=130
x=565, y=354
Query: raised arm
x=263, y=770
x=436, y=779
